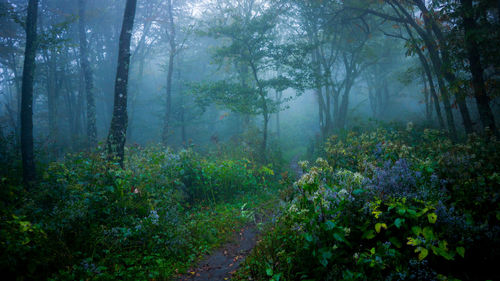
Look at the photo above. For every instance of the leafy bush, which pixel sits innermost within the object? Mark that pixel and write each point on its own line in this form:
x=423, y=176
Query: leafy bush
x=389, y=205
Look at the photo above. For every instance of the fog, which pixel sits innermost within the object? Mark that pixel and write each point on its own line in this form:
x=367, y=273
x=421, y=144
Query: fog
x=215, y=140
x=335, y=65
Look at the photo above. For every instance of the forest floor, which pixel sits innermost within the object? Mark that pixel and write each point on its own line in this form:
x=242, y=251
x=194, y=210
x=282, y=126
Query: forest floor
x=223, y=263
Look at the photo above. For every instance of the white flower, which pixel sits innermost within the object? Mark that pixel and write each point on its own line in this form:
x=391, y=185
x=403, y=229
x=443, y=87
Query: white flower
x=303, y=164
x=343, y=193
x=409, y=126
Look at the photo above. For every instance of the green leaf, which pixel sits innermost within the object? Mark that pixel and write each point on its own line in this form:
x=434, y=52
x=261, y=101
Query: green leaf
x=325, y=256
x=432, y=217
x=412, y=212
x=329, y=225
x=395, y=241
x=423, y=252
x=379, y=226
x=413, y=241
x=416, y=230
x=269, y=272
x=358, y=191
x=368, y=234
x=338, y=237
x=461, y=251
x=398, y=222
x=428, y=234
x=308, y=237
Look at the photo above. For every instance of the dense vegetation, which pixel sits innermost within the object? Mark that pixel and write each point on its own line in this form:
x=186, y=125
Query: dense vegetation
x=391, y=204
x=89, y=218
x=313, y=140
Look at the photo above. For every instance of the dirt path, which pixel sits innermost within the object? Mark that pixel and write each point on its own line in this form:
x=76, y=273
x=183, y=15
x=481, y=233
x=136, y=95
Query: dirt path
x=294, y=166
x=221, y=264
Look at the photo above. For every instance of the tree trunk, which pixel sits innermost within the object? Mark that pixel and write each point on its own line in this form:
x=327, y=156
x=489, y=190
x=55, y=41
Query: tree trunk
x=428, y=111
x=426, y=35
x=430, y=23
x=278, y=98
x=437, y=66
x=476, y=69
x=87, y=74
x=264, y=138
x=432, y=88
x=171, y=35
x=52, y=100
x=344, y=105
x=28, y=158
x=118, y=129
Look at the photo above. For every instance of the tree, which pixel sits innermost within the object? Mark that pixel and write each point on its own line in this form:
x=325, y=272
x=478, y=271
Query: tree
x=337, y=53
x=118, y=129
x=249, y=30
x=28, y=158
x=172, y=52
x=476, y=69
x=403, y=13
x=87, y=75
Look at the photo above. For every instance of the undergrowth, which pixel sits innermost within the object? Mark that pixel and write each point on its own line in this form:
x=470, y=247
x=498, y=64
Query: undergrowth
x=388, y=205
x=88, y=219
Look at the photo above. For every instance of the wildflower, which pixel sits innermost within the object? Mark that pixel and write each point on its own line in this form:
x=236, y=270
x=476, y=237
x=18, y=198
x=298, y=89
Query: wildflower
x=347, y=230
x=342, y=193
x=154, y=217
x=303, y=164
x=409, y=126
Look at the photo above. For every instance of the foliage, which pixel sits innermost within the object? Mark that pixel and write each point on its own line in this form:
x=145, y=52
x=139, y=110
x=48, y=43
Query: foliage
x=90, y=219
x=389, y=205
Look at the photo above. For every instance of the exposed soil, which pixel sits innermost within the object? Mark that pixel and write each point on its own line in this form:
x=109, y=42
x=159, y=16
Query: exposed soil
x=221, y=264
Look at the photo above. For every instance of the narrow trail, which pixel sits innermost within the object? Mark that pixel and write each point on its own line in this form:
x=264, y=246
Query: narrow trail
x=222, y=263
x=295, y=168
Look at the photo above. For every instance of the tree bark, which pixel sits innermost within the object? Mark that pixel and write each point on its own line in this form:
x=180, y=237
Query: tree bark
x=428, y=73
x=476, y=69
x=432, y=48
x=87, y=74
x=430, y=23
x=279, y=95
x=28, y=158
x=171, y=35
x=52, y=100
x=118, y=129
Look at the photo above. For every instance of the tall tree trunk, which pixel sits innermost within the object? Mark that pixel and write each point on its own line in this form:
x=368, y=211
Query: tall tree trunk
x=18, y=97
x=321, y=111
x=426, y=35
x=182, y=111
x=344, y=105
x=87, y=74
x=476, y=69
x=265, y=114
x=118, y=129
x=428, y=73
x=171, y=35
x=431, y=24
x=28, y=158
x=52, y=99
x=428, y=111
x=279, y=95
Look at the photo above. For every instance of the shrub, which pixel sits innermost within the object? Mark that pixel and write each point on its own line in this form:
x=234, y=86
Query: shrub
x=389, y=205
